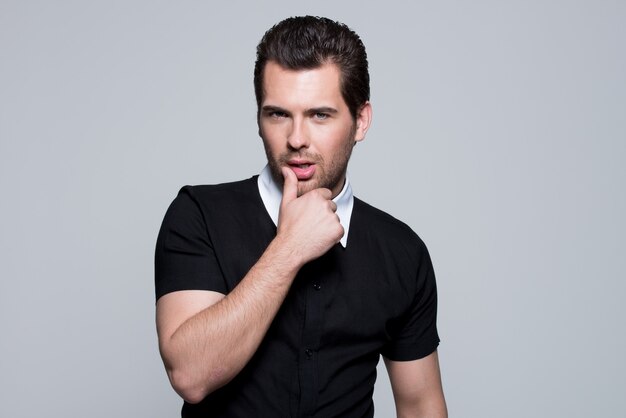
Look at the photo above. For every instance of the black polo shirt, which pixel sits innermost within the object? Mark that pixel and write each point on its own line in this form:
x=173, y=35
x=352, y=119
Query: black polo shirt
x=376, y=296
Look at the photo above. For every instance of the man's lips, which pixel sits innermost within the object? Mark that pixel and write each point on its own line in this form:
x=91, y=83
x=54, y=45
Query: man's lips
x=303, y=169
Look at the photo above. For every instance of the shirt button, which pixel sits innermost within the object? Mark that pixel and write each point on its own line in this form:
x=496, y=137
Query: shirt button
x=308, y=352
x=317, y=286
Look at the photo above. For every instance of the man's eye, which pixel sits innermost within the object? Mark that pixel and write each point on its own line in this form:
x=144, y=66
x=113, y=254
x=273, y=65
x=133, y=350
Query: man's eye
x=321, y=116
x=278, y=115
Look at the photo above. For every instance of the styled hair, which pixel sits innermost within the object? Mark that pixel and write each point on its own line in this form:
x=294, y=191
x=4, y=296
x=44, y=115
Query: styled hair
x=308, y=42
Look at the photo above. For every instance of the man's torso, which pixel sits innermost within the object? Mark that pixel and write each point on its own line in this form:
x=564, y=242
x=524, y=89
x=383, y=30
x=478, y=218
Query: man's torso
x=343, y=310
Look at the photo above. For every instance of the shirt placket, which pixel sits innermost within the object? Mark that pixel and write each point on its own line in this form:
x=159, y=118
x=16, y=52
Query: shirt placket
x=308, y=355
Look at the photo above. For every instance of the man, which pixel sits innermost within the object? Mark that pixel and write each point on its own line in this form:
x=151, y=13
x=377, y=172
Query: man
x=277, y=295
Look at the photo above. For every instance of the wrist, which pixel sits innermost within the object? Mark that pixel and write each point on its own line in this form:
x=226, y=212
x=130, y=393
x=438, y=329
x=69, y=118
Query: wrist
x=284, y=253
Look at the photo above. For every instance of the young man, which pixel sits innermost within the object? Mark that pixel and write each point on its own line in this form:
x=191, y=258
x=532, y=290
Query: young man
x=277, y=295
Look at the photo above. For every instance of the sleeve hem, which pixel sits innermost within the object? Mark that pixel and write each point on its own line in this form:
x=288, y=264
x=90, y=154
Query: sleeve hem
x=409, y=353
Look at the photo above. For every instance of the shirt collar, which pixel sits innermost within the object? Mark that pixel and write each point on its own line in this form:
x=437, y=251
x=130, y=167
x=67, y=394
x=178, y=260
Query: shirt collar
x=271, y=194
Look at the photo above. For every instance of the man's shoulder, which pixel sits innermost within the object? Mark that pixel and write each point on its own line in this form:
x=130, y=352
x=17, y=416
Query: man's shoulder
x=381, y=223
x=239, y=186
x=211, y=193
x=217, y=199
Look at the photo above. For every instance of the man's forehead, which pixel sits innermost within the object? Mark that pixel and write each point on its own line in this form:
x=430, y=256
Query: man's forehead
x=275, y=70
x=284, y=84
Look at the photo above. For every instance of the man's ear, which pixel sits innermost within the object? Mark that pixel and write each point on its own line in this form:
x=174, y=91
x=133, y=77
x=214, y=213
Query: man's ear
x=363, y=121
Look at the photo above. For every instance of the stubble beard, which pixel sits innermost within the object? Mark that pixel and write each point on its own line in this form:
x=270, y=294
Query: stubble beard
x=327, y=174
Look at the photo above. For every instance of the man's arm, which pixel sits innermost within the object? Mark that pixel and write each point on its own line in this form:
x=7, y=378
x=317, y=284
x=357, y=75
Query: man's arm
x=206, y=338
x=416, y=387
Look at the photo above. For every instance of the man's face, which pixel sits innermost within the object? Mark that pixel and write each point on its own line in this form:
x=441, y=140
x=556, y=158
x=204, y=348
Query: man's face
x=306, y=126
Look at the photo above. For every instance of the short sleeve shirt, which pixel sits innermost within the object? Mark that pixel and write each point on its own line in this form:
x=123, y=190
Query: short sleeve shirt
x=375, y=296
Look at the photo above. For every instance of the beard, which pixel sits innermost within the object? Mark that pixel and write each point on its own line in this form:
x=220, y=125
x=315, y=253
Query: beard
x=329, y=172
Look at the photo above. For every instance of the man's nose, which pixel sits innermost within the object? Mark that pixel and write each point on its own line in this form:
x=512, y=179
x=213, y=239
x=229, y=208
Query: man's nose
x=299, y=135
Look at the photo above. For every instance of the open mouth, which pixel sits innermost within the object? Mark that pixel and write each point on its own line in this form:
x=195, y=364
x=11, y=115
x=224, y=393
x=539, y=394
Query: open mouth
x=304, y=171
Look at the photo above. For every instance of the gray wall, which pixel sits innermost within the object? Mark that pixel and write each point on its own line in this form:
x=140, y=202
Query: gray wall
x=499, y=135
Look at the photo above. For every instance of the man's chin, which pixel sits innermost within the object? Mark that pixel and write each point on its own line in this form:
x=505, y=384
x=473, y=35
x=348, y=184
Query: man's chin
x=306, y=186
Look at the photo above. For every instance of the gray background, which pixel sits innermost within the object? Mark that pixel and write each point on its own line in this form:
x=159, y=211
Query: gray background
x=499, y=135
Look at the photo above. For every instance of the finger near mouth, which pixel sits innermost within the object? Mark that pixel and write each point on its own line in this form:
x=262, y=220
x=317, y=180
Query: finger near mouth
x=303, y=171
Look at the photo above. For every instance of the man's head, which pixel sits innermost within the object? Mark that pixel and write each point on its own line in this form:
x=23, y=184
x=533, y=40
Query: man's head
x=312, y=89
x=307, y=42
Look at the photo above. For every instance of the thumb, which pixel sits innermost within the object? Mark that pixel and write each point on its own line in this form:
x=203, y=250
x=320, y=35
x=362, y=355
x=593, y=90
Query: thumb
x=290, y=186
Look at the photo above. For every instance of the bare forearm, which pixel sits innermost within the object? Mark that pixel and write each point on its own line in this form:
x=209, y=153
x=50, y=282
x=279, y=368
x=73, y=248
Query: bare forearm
x=211, y=347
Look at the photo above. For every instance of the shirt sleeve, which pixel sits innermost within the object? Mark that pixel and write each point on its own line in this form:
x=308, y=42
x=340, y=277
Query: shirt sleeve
x=184, y=256
x=416, y=334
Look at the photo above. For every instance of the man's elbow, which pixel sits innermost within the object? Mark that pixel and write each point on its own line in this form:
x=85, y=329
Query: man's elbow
x=193, y=389
x=188, y=388
x=436, y=409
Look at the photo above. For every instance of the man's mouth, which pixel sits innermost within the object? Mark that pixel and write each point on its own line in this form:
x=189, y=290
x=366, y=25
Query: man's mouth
x=304, y=170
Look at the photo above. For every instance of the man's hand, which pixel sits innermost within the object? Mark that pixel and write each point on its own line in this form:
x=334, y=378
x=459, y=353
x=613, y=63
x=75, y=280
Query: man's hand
x=308, y=224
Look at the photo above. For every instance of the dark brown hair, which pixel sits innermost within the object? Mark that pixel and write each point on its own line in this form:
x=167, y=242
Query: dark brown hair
x=307, y=42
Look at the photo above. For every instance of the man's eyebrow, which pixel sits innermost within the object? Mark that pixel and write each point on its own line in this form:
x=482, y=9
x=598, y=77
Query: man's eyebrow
x=323, y=109
x=270, y=108
x=310, y=111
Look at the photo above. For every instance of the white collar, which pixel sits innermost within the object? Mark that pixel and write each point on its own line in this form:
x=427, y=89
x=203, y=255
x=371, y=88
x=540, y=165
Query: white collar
x=271, y=195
